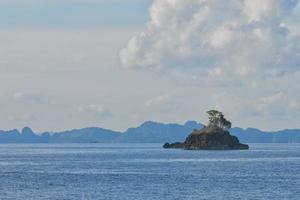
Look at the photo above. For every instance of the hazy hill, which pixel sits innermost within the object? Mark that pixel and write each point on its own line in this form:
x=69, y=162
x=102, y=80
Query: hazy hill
x=148, y=132
x=85, y=135
x=153, y=132
x=25, y=136
x=251, y=135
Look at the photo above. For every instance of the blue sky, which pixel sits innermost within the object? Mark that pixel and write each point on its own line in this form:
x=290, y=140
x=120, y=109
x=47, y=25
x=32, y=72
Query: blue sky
x=80, y=14
x=68, y=64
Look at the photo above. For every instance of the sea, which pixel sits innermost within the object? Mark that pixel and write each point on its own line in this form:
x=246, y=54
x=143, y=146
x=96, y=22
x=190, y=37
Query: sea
x=147, y=172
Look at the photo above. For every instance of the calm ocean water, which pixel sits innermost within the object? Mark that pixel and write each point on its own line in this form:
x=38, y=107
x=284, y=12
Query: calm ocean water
x=148, y=172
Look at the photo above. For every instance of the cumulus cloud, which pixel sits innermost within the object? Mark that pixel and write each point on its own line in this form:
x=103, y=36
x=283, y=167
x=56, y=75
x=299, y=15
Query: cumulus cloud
x=215, y=38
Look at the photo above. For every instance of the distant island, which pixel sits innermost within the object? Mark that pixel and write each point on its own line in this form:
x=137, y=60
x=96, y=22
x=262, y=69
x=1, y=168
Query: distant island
x=148, y=132
x=214, y=136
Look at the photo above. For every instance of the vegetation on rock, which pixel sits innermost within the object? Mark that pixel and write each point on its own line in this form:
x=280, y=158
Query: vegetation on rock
x=217, y=118
x=214, y=136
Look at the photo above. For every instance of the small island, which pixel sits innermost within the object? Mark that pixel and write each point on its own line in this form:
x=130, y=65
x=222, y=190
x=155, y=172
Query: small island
x=214, y=136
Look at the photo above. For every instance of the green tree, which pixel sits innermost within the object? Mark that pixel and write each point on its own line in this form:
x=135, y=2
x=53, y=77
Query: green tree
x=216, y=118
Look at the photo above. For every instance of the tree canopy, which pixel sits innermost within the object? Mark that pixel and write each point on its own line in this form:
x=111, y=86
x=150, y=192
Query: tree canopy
x=216, y=118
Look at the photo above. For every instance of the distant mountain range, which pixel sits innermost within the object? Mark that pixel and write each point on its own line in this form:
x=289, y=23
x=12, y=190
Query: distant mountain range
x=148, y=132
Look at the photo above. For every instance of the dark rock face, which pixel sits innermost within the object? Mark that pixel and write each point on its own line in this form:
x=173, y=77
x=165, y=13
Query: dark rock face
x=176, y=145
x=209, y=138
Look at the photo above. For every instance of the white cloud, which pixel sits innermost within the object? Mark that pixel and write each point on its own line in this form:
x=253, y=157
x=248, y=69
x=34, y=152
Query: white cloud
x=158, y=100
x=96, y=110
x=202, y=50
x=276, y=104
x=237, y=39
x=48, y=73
x=239, y=56
x=162, y=103
x=27, y=98
x=25, y=117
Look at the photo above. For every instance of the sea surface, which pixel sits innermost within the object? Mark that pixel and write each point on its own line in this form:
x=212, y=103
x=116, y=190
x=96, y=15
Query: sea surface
x=147, y=172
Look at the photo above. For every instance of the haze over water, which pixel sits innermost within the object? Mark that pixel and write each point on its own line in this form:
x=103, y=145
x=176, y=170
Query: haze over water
x=146, y=171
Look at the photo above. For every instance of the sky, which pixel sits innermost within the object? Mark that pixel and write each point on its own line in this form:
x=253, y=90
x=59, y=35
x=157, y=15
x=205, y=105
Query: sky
x=68, y=64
